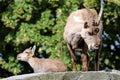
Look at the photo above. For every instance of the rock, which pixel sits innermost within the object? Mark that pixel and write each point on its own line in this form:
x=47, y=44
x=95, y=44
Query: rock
x=89, y=75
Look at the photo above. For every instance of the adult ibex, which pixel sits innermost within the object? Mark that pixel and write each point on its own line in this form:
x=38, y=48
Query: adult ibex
x=83, y=32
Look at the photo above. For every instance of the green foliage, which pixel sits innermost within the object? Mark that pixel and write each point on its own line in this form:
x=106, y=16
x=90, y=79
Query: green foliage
x=41, y=22
x=12, y=65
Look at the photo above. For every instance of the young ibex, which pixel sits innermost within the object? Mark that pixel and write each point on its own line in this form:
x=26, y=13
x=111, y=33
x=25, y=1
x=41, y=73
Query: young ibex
x=83, y=32
x=41, y=65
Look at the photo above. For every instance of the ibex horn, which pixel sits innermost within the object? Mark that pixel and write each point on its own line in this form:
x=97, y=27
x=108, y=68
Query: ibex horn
x=100, y=13
x=96, y=23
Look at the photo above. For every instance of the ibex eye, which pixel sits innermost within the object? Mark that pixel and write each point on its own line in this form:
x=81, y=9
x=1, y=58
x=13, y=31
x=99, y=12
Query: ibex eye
x=86, y=25
x=96, y=30
x=27, y=52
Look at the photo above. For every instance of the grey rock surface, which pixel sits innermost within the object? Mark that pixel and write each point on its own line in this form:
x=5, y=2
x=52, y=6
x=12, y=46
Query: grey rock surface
x=89, y=75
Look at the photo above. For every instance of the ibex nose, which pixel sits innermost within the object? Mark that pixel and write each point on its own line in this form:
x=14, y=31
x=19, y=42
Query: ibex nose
x=97, y=46
x=18, y=57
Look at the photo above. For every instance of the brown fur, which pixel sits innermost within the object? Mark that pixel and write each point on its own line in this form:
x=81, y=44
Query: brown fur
x=41, y=65
x=83, y=32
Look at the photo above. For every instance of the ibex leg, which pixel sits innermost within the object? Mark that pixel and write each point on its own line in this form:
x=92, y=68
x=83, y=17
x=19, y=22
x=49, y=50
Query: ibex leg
x=96, y=58
x=84, y=58
x=73, y=58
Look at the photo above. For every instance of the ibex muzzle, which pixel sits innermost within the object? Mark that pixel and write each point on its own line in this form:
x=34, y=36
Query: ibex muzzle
x=83, y=32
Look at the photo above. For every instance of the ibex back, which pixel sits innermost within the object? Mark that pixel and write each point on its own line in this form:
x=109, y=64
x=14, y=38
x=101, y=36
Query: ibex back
x=83, y=32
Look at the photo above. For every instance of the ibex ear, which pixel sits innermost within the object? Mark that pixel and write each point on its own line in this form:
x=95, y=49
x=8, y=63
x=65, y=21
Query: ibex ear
x=30, y=47
x=33, y=49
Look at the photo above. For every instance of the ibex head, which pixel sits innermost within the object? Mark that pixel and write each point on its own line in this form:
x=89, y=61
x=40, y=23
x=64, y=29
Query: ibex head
x=91, y=36
x=26, y=54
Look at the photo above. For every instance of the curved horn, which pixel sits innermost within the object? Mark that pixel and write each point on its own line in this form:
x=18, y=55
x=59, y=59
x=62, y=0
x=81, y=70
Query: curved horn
x=101, y=11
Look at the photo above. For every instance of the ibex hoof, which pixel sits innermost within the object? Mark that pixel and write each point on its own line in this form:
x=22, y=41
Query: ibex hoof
x=84, y=68
x=74, y=70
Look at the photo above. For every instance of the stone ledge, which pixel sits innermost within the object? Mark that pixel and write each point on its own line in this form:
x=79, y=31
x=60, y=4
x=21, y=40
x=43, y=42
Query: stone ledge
x=90, y=75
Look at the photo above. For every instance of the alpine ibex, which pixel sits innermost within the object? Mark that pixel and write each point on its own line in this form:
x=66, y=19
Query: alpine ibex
x=41, y=65
x=83, y=32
